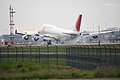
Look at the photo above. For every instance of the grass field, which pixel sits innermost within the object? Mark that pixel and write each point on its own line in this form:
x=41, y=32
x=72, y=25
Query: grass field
x=31, y=70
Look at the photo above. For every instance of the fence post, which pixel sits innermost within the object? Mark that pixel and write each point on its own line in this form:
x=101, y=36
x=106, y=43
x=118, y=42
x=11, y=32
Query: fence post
x=48, y=54
x=39, y=52
x=84, y=52
x=22, y=53
x=105, y=56
x=88, y=57
x=77, y=55
x=56, y=53
x=16, y=53
x=0, y=54
x=92, y=57
x=97, y=55
x=8, y=53
x=81, y=54
x=70, y=55
x=109, y=55
x=30, y=53
x=48, y=59
x=36, y=54
x=66, y=55
x=100, y=57
x=115, y=57
x=72, y=59
x=118, y=57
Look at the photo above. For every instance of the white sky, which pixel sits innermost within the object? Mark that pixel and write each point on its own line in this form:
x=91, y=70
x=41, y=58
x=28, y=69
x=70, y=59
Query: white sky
x=31, y=14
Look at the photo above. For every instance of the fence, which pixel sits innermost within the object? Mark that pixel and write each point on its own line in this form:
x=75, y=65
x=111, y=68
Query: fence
x=42, y=54
x=78, y=56
x=93, y=56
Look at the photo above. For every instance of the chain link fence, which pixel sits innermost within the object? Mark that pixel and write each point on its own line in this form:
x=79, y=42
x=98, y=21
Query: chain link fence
x=79, y=56
x=93, y=56
x=42, y=54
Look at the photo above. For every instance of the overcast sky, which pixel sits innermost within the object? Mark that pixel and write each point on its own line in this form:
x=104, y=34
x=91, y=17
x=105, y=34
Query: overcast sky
x=31, y=14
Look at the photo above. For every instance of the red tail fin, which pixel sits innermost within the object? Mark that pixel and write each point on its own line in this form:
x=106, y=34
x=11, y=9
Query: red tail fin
x=78, y=23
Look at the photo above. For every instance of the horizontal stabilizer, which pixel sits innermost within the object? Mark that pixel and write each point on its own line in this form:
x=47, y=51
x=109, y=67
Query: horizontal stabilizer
x=16, y=32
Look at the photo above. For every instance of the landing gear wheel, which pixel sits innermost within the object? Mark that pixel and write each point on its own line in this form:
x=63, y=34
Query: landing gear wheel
x=49, y=42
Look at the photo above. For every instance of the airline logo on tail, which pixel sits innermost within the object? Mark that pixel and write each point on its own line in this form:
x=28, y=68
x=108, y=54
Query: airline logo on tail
x=78, y=23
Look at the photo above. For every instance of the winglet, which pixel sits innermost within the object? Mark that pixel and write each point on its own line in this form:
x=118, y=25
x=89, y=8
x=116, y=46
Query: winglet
x=78, y=22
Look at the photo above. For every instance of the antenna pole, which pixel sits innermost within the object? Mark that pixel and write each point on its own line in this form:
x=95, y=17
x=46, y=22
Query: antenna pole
x=11, y=24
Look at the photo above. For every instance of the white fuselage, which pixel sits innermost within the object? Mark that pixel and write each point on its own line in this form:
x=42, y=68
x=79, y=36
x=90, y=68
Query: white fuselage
x=56, y=32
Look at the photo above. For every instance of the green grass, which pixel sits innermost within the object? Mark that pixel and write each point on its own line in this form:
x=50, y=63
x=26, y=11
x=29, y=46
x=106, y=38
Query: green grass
x=32, y=70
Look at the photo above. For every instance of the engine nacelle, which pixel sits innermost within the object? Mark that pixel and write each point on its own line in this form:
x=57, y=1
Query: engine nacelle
x=25, y=37
x=35, y=38
x=95, y=37
x=46, y=39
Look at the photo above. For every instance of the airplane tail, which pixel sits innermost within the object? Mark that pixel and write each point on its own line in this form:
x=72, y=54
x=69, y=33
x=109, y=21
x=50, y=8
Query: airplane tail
x=78, y=23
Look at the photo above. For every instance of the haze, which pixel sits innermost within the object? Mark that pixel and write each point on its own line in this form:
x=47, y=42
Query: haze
x=31, y=14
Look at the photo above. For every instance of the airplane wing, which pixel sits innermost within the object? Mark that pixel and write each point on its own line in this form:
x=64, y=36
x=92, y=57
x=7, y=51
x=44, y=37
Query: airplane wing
x=70, y=33
x=49, y=36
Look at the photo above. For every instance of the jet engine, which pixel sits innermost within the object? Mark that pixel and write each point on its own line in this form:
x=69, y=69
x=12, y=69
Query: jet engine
x=35, y=37
x=25, y=37
x=95, y=37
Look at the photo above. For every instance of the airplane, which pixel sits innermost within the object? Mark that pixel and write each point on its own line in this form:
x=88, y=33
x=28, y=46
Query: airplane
x=96, y=34
x=48, y=32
